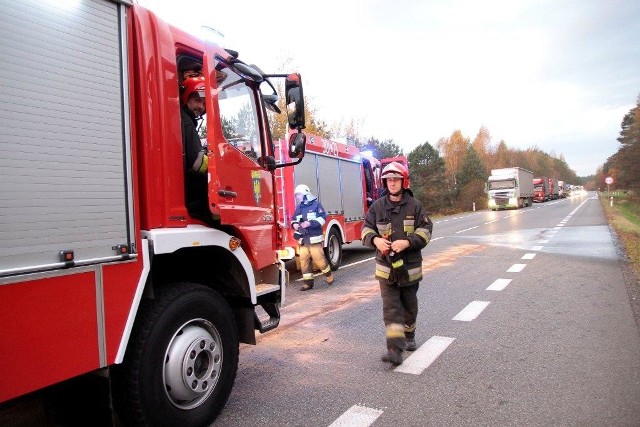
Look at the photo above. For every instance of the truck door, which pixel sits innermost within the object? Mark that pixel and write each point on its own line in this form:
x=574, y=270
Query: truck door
x=240, y=190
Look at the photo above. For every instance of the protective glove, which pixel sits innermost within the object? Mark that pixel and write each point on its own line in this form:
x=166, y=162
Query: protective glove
x=399, y=272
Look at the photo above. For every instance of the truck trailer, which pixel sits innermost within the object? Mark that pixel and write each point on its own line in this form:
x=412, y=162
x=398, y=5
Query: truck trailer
x=541, y=191
x=104, y=271
x=554, y=189
x=510, y=188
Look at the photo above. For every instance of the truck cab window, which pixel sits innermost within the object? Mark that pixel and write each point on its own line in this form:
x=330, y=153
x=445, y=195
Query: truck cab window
x=238, y=115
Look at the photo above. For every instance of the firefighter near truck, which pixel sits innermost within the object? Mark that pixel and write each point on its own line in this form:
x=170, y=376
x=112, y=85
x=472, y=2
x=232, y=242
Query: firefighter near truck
x=345, y=180
x=104, y=272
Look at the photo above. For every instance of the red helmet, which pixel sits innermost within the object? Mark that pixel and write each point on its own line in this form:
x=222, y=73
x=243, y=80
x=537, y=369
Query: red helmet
x=189, y=86
x=395, y=170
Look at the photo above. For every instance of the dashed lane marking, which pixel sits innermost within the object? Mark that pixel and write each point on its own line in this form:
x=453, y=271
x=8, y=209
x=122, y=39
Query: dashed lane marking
x=528, y=256
x=357, y=416
x=516, y=268
x=425, y=355
x=466, y=229
x=537, y=248
x=499, y=284
x=471, y=311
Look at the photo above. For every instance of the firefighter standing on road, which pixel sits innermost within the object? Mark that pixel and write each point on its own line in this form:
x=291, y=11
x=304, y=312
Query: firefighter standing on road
x=398, y=227
x=192, y=100
x=307, y=223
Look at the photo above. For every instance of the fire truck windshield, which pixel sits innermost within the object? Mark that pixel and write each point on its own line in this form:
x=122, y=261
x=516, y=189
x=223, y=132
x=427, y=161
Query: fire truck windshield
x=238, y=115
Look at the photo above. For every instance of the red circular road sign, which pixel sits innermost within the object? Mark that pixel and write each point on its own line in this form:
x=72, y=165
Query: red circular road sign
x=608, y=180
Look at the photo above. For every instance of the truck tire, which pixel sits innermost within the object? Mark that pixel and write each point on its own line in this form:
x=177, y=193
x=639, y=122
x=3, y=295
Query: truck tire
x=182, y=359
x=333, y=250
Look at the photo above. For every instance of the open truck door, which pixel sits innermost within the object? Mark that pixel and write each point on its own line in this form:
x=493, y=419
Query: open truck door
x=241, y=190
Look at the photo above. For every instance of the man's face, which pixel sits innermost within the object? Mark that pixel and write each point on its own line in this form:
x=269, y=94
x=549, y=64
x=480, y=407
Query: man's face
x=394, y=185
x=196, y=104
x=190, y=73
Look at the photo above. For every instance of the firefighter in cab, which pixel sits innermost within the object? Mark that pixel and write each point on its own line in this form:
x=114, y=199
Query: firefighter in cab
x=398, y=227
x=307, y=223
x=192, y=99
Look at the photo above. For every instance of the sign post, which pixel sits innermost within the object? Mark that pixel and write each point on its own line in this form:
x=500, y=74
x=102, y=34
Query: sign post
x=609, y=181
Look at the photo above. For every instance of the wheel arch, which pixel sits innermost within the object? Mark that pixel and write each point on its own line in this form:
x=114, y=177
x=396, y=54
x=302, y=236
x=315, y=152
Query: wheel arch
x=177, y=259
x=334, y=224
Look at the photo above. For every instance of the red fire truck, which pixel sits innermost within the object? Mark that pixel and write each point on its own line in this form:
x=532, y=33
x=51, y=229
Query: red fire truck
x=103, y=269
x=346, y=181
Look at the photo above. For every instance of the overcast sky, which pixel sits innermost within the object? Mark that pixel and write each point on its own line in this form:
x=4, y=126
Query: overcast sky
x=556, y=75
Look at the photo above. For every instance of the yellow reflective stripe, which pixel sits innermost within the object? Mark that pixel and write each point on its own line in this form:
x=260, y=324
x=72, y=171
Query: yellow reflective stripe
x=382, y=271
x=326, y=270
x=316, y=239
x=395, y=330
x=384, y=229
x=382, y=267
x=410, y=328
x=201, y=163
x=415, y=274
x=366, y=231
x=307, y=276
x=408, y=225
x=424, y=234
x=397, y=264
x=205, y=164
x=320, y=220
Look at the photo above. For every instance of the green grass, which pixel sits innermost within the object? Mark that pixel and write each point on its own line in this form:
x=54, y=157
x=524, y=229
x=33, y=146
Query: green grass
x=624, y=217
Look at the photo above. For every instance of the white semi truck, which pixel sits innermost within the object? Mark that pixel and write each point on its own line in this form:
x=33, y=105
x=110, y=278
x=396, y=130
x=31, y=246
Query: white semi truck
x=510, y=188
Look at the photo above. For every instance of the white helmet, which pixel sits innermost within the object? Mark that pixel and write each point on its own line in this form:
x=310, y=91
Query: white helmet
x=303, y=193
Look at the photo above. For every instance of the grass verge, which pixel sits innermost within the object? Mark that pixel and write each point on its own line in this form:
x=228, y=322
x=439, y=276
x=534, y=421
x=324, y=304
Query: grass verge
x=623, y=214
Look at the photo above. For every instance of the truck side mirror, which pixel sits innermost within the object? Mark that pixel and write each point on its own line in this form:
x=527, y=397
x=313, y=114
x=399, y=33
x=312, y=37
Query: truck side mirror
x=297, y=145
x=294, y=101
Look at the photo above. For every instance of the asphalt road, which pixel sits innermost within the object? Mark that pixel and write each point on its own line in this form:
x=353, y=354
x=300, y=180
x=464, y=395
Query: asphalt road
x=524, y=320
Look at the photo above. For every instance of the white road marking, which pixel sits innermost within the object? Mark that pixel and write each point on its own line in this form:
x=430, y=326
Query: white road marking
x=537, y=248
x=492, y=221
x=425, y=355
x=528, y=256
x=516, y=268
x=437, y=238
x=499, y=284
x=466, y=229
x=557, y=228
x=471, y=311
x=357, y=416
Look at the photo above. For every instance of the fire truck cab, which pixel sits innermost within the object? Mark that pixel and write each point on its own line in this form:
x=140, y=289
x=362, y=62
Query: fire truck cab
x=104, y=270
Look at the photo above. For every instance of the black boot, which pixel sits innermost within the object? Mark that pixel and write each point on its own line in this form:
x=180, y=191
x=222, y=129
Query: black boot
x=410, y=344
x=308, y=284
x=393, y=356
x=410, y=341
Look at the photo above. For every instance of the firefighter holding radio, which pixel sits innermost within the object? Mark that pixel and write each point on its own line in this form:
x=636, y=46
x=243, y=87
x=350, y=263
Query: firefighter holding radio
x=397, y=226
x=308, y=219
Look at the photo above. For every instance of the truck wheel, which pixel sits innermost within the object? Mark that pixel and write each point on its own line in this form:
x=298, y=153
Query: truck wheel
x=181, y=361
x=333, y=251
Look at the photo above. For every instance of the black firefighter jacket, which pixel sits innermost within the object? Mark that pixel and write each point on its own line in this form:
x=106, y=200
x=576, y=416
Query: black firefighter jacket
x=405, y=219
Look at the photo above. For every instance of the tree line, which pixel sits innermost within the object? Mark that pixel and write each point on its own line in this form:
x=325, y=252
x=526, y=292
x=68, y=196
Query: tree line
x=623, y=165
x=449, y=176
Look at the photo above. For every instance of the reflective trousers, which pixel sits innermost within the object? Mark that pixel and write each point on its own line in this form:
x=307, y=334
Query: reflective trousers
x=399, y=312
x=313, y=253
